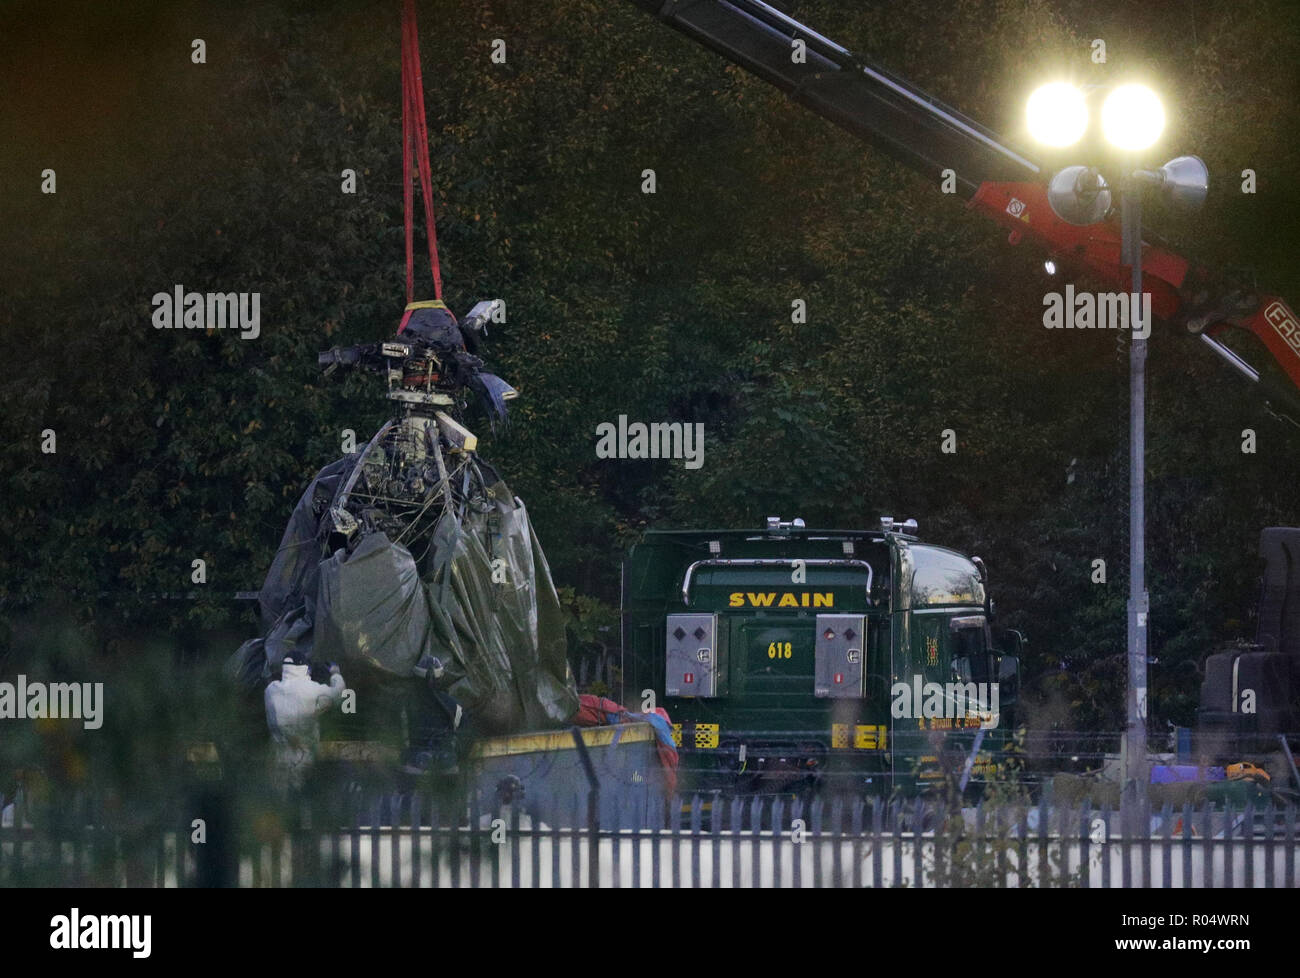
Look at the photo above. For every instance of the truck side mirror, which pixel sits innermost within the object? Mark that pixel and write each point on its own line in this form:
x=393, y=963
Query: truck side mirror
x=1013, y=642
x=1008, y=678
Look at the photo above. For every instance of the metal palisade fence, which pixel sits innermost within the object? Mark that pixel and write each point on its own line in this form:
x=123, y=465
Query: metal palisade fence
x=422, y=840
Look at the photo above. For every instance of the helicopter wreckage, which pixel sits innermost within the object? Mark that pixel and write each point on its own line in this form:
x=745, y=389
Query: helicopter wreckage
x=411, y=560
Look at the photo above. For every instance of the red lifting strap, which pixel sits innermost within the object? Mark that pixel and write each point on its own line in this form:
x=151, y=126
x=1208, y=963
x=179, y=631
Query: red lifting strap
x=415, y=129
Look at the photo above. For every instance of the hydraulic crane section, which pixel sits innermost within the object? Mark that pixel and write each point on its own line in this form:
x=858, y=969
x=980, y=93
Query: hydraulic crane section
x=865, y=99
x=994, y=178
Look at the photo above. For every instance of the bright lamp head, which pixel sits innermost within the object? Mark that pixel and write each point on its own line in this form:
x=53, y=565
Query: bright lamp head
x=1057, y=114
x=1132, y=117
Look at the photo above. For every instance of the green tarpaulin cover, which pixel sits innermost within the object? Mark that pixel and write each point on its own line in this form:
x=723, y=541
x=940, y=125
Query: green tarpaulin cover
x=481, y=600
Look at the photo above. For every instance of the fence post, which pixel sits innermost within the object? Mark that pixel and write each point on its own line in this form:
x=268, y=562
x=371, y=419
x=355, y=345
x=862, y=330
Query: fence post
x=715, y=840
x=1248, y=829
x=1126, y=826
x=877, y=815
x=1144, y=812
x=1228, y=831
x=696, y=826
x=1187, y=843
x=1044, y=846
x=593, y=810
x=556, y=838
x=999, y=850
x=896, y=814
x=1105, y=846
x=640, y=829
x=944, y=851
x=816, y=812
x=918, y=842
x=855, y=826
x=656, y=841
x=1270, y=818
x=1166, y=846
x=622, y=802
x=1022, y=847
x=1290, y=845
x=515, y=843
x=374, y=842
x=417, y=842
x=778, y=819
x=735, y=818
x=1085, y=845
x=1207, y=844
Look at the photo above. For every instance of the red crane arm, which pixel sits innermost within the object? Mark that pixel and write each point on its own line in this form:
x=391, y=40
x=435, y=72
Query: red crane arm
x=997, y=179
x=1181, y=292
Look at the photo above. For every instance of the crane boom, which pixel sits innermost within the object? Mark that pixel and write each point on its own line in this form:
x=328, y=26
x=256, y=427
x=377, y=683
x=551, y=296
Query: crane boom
x=996, y=179
x=865, y=99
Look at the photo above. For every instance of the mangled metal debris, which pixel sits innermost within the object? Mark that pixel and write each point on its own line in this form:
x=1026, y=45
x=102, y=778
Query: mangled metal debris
x=413, y=559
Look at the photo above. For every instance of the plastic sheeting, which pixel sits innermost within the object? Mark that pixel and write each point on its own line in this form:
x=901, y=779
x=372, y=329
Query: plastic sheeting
x=293, y=572
x=497, y=613
x=483, y=603
x=371, y=607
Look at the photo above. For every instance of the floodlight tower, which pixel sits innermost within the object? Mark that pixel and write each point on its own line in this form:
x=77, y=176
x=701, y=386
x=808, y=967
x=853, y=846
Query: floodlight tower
x=1132, y=120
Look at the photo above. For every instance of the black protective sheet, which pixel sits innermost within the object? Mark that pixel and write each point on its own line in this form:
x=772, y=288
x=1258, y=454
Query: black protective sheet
x=483, y=603
x=496, y=610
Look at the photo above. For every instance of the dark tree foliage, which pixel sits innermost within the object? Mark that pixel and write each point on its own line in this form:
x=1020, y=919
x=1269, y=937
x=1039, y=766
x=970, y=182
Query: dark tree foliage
x=175, y=445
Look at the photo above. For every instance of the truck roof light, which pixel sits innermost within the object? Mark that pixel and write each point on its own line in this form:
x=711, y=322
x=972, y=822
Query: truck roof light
x=776, y=525
x=890, y=525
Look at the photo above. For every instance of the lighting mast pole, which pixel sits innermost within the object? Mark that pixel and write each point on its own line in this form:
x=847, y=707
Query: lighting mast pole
x=1136, y=774
x=1132, y=119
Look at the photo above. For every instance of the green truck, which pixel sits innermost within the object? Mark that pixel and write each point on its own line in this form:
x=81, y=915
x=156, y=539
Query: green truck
x=811, y=661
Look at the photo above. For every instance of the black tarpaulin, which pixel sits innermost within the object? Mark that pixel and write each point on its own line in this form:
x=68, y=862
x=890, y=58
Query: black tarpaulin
x=483, y=602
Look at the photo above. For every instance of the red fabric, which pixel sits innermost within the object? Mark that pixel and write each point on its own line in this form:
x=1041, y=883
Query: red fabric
x=594, y=711
x=415, y=128
x=668, y=761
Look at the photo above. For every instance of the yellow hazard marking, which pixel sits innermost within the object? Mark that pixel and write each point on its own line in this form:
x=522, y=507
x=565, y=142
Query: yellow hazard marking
x=839, y=736
x=869, y=737
x=560, y=740
x=706, y=736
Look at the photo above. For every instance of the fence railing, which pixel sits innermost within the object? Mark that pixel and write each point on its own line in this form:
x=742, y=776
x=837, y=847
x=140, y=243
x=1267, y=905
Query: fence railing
x=418, y=840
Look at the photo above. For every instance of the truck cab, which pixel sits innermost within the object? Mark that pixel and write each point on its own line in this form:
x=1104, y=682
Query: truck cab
x=796, y=658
